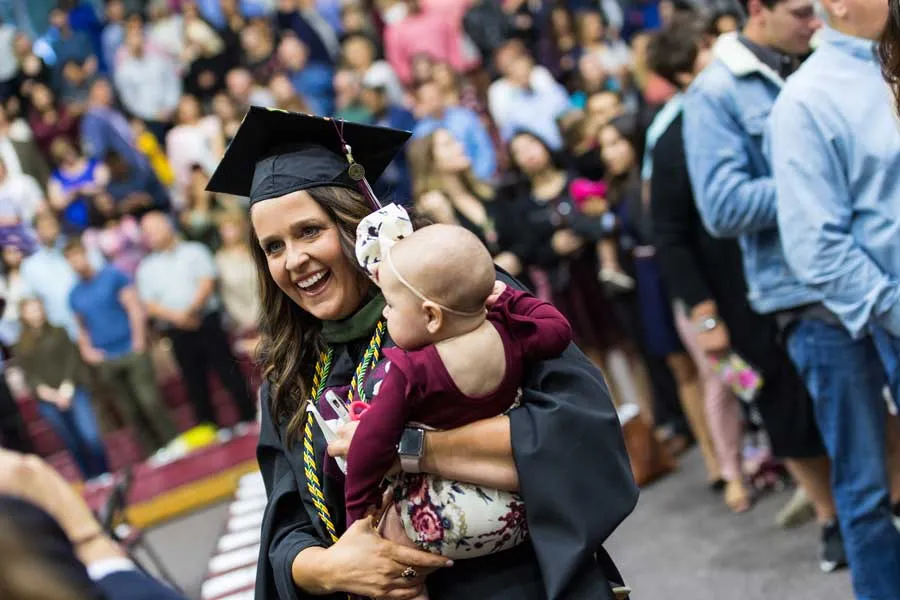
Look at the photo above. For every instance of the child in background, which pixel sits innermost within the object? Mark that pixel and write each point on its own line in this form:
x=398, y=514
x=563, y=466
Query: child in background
x=590, y=198
x=463, y=344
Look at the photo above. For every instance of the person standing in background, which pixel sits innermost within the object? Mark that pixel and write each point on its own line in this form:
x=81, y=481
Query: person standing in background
x=177, y=284
x=47, y=276
x=113, y=338
x=835, y=163
x=13, y=433
x=148, y=85
x=703, y=275
x=54, y=371
x=725, y=113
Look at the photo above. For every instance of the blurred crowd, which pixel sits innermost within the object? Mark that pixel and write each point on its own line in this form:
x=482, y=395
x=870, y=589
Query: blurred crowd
x=551, y=129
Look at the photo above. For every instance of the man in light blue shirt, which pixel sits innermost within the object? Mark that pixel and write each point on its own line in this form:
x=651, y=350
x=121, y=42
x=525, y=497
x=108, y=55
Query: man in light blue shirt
x=177, y=285
x=836, y=159
x=725, y=112
x=534, y=109
x=48, y=276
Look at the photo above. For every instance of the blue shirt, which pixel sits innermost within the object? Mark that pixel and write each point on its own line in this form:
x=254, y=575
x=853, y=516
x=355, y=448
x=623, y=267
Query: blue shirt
x=726, y=116
x=836, y=159
x=469, y=130
x=313, y=82
x=47, y=276
x=536, y=111
x=96, y=303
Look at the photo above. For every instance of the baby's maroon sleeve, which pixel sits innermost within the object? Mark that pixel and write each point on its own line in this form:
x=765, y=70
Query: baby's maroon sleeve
x=551, y=333
x=374, y=446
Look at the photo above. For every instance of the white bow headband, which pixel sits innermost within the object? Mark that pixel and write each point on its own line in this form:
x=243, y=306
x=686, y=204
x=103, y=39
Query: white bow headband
x=376, y=235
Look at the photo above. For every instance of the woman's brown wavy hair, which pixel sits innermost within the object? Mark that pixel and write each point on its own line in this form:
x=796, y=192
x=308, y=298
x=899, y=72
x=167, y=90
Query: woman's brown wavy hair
x=425, y=177
x=290, y=337
x=889, y=51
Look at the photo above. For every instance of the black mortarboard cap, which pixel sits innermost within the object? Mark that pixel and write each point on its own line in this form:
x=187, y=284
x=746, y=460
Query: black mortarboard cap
x=276, y=152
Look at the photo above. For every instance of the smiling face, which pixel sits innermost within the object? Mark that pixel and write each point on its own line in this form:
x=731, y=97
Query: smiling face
x=304, y=255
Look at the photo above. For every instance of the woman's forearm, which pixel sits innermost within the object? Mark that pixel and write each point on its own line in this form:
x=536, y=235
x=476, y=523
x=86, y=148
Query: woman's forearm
x=310, y=571
x=479, y=453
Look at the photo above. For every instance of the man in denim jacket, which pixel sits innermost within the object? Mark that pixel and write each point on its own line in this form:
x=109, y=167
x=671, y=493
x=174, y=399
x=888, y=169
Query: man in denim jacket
x=835, y=141
x=725, y=114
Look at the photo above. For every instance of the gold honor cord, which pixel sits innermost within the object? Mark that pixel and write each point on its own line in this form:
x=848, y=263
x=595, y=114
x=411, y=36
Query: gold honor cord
x=323, y=369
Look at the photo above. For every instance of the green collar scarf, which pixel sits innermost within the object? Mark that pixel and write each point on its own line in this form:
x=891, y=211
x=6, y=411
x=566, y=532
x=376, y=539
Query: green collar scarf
x=361, y=324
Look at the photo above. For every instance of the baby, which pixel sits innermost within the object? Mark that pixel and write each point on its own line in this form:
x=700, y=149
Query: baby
x=590, y=199
x=457, y=360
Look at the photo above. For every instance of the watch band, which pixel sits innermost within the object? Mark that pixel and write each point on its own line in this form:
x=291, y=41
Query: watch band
x=707, y=324
x=411, y=448
x=411, y=464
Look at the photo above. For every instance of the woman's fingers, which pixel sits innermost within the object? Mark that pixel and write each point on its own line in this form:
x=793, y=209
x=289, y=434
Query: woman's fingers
x=404, y=594
x=410, y=557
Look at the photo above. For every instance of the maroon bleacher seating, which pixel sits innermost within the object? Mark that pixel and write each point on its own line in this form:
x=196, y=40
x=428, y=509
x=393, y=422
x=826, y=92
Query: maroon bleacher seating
x=121, y=445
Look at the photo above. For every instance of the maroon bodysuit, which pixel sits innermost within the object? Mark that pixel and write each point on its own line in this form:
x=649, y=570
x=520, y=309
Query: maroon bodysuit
x=417, y=388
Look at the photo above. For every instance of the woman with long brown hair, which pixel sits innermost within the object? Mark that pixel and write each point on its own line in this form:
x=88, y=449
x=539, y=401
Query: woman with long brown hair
x=558, y=239
x=651, y=308
x=323, y=331
x=446, y=190
x=53, y=369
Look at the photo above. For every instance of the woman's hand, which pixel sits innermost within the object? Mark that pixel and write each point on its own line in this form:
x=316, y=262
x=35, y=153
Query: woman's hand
x=713, y=341
x=47, y=394
x=364, y=563
x=565, y=242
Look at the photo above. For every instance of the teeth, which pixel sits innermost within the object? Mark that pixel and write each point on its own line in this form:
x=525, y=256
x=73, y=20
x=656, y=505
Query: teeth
x=312, y=280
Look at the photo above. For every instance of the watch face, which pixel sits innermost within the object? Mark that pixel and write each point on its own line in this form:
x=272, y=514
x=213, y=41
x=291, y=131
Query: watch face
x=412, y=442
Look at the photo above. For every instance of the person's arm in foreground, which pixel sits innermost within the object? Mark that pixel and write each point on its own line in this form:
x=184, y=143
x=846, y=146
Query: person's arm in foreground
x=815, y=216
x=33, y=480
x=731, y=201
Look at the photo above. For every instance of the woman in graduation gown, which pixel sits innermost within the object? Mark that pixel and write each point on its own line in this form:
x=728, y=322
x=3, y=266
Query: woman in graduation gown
x=322, y=330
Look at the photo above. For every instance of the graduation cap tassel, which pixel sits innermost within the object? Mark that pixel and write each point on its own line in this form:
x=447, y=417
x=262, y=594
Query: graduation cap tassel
x=358, y=174
x=356, y=171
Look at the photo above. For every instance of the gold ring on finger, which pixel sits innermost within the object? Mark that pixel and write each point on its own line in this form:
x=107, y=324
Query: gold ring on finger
x=409, y=573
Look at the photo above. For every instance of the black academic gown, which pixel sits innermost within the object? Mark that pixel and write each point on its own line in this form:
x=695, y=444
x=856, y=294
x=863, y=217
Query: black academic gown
x=574, y=475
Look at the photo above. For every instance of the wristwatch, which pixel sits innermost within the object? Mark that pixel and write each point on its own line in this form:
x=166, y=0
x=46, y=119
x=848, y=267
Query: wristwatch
x=707, y=324
x=411, y=448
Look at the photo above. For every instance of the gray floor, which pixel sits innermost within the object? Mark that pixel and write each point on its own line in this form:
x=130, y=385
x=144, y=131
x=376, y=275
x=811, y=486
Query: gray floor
x=186, y=545
x=680, y=544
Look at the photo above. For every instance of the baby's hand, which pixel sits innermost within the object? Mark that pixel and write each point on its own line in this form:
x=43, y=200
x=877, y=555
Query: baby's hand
x=499, y=287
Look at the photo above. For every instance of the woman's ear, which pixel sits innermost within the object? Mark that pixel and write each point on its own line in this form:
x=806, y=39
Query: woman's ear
x=434, y=317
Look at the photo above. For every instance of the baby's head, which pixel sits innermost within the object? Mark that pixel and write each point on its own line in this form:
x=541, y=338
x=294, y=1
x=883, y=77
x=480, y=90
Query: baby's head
x=435, y=283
